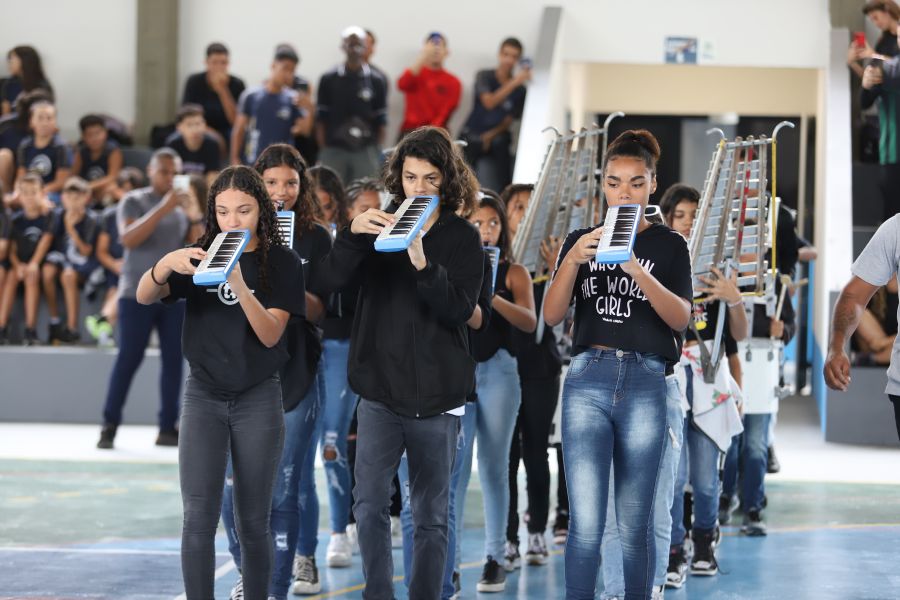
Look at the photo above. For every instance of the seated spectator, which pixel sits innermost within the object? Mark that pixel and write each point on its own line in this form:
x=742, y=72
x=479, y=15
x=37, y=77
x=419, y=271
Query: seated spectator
x=71, y=258
x=13, y=129
x=27, y=74
x=30, y=240
x=98, y=159
x=352, y=112
x=44, y=151
x=271, y=113
x=199, y=151
x=109, y=254
x=216, y=91
x=874, y=338
x=130, y=178
x=197, y=192
x=432, y=94
x=499, y=100
x=5, y=225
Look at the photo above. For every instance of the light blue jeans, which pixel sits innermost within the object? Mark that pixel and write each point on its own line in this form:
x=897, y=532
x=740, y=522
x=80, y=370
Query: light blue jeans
x=700, y=463
x=499, y=397
x=299, y=430
x=337, y=411
x=613, y=414
x=611, y=549
x=467, y=424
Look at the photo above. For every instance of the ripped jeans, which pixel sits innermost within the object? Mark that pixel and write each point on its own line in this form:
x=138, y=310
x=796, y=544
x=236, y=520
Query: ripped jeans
x=299, y=427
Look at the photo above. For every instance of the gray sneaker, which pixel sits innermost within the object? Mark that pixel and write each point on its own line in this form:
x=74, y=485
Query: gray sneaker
x=537, y=550
x=307, y=576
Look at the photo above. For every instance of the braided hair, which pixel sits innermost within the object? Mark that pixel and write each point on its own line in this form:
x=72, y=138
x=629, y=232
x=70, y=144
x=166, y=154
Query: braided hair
x=246, y=180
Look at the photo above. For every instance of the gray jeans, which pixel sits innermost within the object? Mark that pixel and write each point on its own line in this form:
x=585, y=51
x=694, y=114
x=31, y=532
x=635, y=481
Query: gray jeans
x=252, y=425
x=430, y=446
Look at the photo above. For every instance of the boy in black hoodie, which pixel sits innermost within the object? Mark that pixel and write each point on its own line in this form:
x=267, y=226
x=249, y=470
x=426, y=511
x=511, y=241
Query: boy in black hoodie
x=409, y=354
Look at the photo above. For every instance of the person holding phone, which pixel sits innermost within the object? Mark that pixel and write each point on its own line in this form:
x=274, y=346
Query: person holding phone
x=432, y=94
x=885, y=15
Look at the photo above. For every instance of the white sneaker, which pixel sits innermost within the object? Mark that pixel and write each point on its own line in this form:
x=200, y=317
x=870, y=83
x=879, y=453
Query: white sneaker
x=339, y=553
x=658, y=592
x=396, y=533
x=537, y=549
x=353, y=538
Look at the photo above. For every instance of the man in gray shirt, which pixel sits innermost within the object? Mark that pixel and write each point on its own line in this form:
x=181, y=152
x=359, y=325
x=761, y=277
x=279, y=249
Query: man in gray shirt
x=153, y=221
x=876, y=265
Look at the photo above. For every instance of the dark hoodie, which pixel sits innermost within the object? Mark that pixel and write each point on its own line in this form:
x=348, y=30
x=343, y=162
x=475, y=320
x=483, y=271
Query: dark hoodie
x=409, y=344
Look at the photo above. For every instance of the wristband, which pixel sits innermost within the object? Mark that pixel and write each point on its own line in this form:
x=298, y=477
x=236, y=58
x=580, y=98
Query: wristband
x=733, y=304
x=153, y=277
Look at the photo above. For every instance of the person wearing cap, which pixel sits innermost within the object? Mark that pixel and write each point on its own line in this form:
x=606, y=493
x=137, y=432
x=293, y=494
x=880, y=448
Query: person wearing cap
x=272, y=113
x=432, y=94
x=71, y=258
x=352, y=112
x=216, y=90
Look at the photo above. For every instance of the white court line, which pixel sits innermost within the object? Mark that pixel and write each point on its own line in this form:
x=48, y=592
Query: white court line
x=128, y=551
x=220, y=572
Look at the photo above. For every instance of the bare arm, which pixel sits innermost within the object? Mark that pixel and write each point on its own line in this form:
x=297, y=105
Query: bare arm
x=267, y=324
x=559, y=294
x=115, y=165
x=520, y=312
x=103, y=255
x=228, y=103
x=671, y=308
x=237, y=138
x=492, y=100
x=153, y=284
x=83, y=247
x=847, y=312
x=59, y=181
x=315, y=309
x=476, y=319
x=41, y=251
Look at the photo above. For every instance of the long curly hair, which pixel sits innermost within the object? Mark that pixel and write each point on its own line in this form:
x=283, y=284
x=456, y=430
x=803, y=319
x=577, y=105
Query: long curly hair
x=307, y=207
x=328, y=180
x=244, y=179
x=490, y=199
x=459, y=186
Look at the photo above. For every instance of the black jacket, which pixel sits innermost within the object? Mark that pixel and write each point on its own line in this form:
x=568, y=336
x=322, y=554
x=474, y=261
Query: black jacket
x=409, y=344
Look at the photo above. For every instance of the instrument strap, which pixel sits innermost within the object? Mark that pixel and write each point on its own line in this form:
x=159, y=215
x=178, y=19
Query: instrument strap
x=706, y=359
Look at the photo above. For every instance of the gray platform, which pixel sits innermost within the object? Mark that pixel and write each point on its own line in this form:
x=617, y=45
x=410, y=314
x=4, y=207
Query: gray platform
x=68, y=385
x=863, y=414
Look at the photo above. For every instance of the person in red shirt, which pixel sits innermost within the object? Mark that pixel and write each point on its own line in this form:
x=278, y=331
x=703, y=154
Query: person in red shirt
x=432, y=94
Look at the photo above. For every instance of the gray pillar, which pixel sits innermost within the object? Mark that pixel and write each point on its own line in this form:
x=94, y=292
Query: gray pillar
x=157, y=66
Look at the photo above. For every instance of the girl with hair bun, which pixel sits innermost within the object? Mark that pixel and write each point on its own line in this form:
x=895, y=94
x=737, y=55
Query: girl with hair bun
x=627, y=336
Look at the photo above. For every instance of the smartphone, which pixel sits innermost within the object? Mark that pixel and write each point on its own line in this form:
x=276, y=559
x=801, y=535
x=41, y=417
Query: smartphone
x=181, y=183
x=525, y=63
x=859, y=39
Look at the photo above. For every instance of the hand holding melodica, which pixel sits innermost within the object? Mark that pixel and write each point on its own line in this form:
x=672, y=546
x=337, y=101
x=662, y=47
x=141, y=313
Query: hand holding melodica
x=416, y=252
x=179, y=261
x=236, y=280
x=372, y=221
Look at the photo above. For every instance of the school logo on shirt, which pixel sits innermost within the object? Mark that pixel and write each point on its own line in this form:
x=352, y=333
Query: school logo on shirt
x=41, y=163
x=226, y=295
x=95, y=173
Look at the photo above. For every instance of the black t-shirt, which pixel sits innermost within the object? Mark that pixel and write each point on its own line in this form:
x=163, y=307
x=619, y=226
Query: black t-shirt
x=610, y=308
x=537, y=360
x=26, y=233
x=93, y=169
x=201, y=161
x=481, y=119
x=706, y=317
x=352, y=105
x=88, y=229
x=887, y=45
x=47, y=160
x=198, y=91
x=221, y=347
x=498, y=334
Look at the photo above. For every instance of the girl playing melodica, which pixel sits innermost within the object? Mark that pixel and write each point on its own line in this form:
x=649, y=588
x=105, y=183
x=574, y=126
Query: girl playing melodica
x=234, y=343
x=628, y=326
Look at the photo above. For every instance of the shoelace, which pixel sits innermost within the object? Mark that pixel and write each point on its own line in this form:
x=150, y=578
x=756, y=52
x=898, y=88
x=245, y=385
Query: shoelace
x=305, y=570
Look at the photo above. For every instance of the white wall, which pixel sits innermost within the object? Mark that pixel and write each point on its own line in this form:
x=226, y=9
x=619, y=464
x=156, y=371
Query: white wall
x=88, y=50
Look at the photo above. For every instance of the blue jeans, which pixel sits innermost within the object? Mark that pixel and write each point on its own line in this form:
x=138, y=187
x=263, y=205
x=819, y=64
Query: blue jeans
x=751, y=450
x=613, y=414
x=700, y=462
x=299, y=427
x=613, y=577
x=467, y=424
x=499, y=397
x=337, y=412
x=463, y=464
x=308, y=538
x=136, y=321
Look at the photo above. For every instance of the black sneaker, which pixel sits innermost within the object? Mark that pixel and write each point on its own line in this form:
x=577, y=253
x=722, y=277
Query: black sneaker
x=306, y=576
x=107, y=435
x=55, y=334
x=677, y=569
x=493, y=577
x=457, y=586
x=704, y=561
x=69, y=337
x=727, y=505
x=753, y=524
x=561, y=527
x=167, y=437
x=772, y=464
x=31, y=338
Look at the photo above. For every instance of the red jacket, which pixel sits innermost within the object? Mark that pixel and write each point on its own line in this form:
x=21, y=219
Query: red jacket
x=431, y=97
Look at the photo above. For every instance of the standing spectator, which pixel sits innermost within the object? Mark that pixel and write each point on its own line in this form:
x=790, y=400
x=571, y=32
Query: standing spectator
x=306, y=143
x=271, y=113
x=216, y=91
x=44, y=151
x=152, y=222
x=499, y=100
x=98, y=159
x=367, y=58
x=432, y=94
x=27, y=74
x=199, y=151
x=71, y=258
x=29, y=243
x=885, y=15
x=352, y=112
x=883, y=82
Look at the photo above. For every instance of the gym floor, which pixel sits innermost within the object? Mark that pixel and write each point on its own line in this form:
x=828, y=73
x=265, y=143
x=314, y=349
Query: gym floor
x=82, y=523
